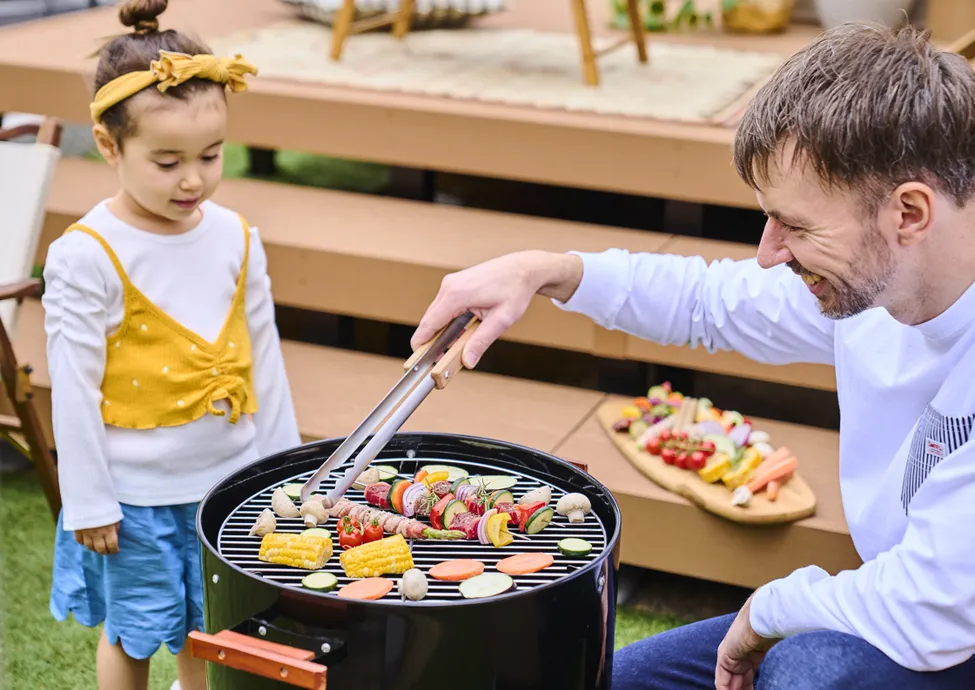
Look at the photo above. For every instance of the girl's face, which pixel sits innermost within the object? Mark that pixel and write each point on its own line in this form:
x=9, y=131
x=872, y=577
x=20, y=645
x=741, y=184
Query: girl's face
x=174, y=161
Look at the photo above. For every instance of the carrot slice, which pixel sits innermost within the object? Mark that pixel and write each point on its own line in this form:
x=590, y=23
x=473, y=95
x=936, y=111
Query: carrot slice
x=777, y=471
x=525, y=563
x=457, y=569
x=368, y=588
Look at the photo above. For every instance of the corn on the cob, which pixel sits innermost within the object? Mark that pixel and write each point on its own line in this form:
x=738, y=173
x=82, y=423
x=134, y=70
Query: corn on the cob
x=389, y=556
x=308, y=552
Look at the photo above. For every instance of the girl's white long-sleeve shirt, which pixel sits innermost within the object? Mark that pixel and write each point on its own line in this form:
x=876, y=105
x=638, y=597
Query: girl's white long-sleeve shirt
x=192, y=277
x=907, y=455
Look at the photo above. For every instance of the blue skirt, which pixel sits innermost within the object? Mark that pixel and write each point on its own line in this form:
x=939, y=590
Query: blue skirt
x=148, y=594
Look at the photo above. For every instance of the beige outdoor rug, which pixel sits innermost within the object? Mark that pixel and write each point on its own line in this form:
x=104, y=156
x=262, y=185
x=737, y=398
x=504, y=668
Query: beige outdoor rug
x=683, y=83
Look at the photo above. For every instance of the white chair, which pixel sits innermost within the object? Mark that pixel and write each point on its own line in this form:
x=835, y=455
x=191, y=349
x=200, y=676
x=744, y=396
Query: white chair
x=26, y=170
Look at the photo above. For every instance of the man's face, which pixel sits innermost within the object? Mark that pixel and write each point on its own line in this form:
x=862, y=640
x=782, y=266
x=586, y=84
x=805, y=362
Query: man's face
x=843, y=256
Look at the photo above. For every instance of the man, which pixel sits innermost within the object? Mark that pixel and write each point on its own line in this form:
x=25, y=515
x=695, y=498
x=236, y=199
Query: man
x=861, y=150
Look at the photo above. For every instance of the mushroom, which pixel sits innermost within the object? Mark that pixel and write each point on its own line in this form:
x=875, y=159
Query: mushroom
x=576, y=506
x=265, y=524
x=542, y=494
x=413, y=584
x=282, y=504
x=370, y=476
x=314, y=512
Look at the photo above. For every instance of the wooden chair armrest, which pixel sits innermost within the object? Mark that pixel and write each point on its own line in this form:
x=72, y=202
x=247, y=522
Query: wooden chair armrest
x=20, y=290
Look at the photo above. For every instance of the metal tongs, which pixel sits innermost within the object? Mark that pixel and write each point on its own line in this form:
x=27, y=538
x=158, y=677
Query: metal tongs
x=431, y=366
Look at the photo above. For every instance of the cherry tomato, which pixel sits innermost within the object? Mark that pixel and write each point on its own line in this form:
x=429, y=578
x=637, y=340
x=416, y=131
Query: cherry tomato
x=697, y=461
x=668, y=455
x=707, y=447
x=350, y=536
x=653, y=447
x=372, y=532
x=681, y=460
x=664, y=435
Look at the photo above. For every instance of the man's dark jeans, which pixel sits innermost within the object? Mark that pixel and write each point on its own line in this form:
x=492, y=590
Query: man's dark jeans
x=684, y=659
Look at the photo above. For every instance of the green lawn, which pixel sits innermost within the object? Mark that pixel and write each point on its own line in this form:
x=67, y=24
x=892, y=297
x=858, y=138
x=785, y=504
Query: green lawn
x=40, y=653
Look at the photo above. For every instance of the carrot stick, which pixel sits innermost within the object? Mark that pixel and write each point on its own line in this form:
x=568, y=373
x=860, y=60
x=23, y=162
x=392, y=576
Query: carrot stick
x=776, y=456
x=772, y=490
x=457, y=569
x=369, y=588
x=776, y=471
x=525, y=563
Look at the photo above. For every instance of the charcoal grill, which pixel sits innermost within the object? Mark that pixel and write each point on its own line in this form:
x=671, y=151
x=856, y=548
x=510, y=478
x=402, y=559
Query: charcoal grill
x=554, y=630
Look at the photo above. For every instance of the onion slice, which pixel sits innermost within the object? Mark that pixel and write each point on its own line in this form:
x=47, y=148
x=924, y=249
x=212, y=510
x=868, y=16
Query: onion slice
x=482, y=535
x=411, y=496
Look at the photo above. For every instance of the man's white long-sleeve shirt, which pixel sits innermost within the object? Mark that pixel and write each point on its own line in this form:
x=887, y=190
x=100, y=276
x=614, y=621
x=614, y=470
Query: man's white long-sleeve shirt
x=192, y=277
x=907, y=455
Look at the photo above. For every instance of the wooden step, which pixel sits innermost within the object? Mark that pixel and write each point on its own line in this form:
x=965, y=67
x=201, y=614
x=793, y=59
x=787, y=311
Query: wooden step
x=383, y=259
x=675, y=536
x=334, y=390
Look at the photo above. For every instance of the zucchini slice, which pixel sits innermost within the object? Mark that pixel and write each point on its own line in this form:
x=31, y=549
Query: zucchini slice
x=486, y=585
x=501, y=497
x=387, y=473
x=317, y=532
x=458, y=483
x=539, y=520
x=453, y=509
x=321, y=582
x=293, y=491
x=573, y=546
x=453, y=473
x=496, y=482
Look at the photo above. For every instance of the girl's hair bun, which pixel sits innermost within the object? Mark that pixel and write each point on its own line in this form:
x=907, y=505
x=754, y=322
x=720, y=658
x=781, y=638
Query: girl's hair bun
x=142, y=14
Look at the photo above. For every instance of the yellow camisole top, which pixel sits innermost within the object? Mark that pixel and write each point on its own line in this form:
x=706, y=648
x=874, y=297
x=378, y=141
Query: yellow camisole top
x=158, y=373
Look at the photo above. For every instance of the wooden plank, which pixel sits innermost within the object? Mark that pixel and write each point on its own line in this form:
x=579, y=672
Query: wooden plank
x=401, y=250
x=45, y=68
x=665, y=532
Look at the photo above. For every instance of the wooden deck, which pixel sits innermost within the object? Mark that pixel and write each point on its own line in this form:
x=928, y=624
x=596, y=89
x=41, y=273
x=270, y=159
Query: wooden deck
x=44, y=68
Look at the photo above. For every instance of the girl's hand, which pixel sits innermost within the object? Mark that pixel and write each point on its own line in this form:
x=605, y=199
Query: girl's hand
x=103, y=540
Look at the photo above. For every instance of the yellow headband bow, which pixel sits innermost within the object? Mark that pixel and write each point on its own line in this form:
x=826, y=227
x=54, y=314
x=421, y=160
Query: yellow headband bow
x=169, y=70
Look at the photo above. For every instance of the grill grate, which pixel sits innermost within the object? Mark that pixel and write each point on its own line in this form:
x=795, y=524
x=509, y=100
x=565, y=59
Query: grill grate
x=241, y=550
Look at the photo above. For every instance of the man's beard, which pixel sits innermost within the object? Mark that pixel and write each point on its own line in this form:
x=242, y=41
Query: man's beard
x=843, y=297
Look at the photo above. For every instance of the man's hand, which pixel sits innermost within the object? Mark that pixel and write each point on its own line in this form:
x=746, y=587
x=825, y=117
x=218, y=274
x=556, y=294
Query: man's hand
x=103, y=540
x=740, y=653
x=498, y=292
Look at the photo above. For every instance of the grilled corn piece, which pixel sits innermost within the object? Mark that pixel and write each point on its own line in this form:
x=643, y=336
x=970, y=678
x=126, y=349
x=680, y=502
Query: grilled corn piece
x=389, y=556
x=308, y=552
x=740, y=474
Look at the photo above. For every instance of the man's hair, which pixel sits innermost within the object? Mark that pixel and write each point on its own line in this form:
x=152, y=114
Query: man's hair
x=868, y=108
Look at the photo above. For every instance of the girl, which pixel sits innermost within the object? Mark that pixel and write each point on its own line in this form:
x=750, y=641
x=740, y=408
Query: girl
x=164, y=356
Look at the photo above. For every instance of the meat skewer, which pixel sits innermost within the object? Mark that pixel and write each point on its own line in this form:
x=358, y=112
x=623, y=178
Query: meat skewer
x=391, y=522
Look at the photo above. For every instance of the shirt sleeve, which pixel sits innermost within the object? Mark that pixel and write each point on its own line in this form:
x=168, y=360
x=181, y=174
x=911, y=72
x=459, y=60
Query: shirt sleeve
x=914, y=602
x=767, y=315
x=76, y=312
x=277, y=426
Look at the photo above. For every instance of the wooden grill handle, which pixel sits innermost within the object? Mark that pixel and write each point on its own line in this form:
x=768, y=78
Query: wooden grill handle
x=268, y=659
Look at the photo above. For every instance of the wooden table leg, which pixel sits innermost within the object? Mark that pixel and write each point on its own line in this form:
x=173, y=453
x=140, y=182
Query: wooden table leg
x=341, y=27
x=589, y=69
x=636, y=29
x=404, y=18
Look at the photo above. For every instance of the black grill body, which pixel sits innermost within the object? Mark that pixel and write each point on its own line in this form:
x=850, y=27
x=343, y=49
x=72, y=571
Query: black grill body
x=546, y=634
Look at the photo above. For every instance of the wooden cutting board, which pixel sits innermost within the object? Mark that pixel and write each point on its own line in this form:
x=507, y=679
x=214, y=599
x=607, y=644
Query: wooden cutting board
x=794, y=502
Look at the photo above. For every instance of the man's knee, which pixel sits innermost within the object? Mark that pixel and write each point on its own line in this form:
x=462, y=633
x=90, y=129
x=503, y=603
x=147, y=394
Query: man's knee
x=820, y=660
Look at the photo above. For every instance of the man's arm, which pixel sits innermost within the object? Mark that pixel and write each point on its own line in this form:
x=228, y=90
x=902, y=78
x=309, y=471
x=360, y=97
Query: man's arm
x=915, y=602
x=767, y=315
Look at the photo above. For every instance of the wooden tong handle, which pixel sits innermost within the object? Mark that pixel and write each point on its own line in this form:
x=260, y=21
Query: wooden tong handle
x=450, y=362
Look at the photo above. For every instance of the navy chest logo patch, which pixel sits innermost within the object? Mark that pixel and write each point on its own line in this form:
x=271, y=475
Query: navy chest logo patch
x=935, y=437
